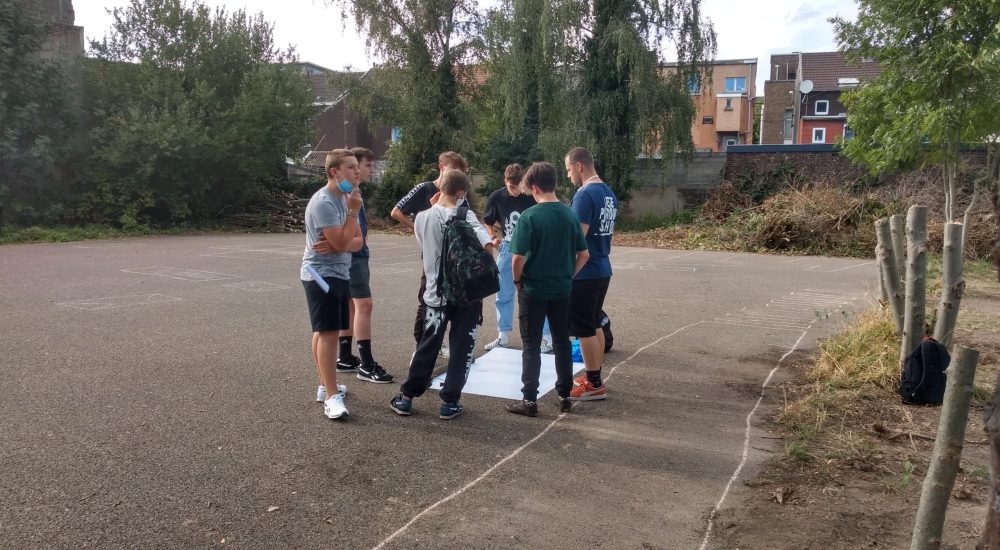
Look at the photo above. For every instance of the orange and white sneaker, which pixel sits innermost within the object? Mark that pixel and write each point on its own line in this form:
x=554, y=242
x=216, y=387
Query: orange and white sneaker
x=587, y=392
x=579, y=379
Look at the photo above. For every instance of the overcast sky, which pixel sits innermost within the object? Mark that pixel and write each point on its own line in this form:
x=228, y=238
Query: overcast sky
x=745, y=29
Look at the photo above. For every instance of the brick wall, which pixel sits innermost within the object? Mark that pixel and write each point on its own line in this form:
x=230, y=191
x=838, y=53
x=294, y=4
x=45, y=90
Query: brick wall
x=813, y=163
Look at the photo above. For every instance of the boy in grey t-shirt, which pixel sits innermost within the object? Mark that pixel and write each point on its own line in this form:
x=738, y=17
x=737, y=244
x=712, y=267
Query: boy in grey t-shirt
x=332, y=232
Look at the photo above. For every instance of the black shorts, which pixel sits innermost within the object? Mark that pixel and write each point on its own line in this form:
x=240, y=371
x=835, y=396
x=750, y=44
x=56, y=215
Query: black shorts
x=585, y=305
x=360, y=277
x=329, y=310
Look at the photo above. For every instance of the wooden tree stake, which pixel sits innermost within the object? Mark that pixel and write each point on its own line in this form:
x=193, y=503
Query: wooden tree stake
x=916, y=281
x=947, y=454
x=897, y=224
x=952, y=282
x=991, y=534
x=890, y=277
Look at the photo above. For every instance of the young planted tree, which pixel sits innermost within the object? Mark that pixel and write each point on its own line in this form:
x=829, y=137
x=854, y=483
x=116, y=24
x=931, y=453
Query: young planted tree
x=936, y=92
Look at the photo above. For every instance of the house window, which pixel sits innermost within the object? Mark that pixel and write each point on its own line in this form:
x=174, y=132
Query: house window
x=789, y=122
x=848, y=132
x=730, y=141
x=823, y=107
x=707, y=120
x=736, y=84
x=729, y=104
x=819, y=135
x=694, y=84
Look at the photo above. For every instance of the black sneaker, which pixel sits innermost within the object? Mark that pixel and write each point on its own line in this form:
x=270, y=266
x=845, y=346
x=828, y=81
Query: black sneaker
x=374, y=373
x=401, y=404
x=348, y=364
x=450, y=410
x=565, y=404
x=523, y=408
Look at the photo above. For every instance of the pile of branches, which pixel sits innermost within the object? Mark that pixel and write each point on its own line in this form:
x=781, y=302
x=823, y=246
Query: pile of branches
x=282, y=212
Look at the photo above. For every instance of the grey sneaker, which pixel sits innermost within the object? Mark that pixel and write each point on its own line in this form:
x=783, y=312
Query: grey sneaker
x=500, y=342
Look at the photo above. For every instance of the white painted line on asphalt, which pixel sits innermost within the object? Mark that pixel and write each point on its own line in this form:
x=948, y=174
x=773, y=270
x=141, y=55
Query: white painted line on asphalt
x=518, y=450
x=181, y=274
x=768, y=327
x=115, y=302
x=257, y=286
x=830, y=291
x=816, y=268
x=746, y=444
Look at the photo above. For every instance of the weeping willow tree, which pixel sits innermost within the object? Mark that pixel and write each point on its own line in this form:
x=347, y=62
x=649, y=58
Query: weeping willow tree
x=587, y=72
x=424, y=48
x=526, y=105
x=630, y=106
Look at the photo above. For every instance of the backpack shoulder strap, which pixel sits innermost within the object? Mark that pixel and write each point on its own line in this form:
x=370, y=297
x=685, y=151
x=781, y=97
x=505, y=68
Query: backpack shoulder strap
x=462, y=212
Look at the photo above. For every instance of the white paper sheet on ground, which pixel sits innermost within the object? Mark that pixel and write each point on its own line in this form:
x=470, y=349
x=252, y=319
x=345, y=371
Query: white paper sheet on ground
x=498, y=374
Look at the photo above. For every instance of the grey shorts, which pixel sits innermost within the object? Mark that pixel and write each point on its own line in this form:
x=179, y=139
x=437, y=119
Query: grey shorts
x=360, y=277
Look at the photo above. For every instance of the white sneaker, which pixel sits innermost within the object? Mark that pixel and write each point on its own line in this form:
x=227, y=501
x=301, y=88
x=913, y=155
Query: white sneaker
x=546, y=346
x=500, y=342
x=321, y=392
x=445, y=352
x=334, y=407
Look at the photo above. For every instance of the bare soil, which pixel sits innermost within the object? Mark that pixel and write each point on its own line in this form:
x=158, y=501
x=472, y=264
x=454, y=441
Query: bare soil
x=860, y=487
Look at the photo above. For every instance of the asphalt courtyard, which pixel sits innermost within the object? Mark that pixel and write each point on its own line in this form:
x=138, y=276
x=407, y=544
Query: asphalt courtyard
x=159, y=393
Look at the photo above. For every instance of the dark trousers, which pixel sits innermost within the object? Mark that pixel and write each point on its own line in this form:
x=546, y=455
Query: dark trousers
x=531, y=316
x=418, y=323
x=465, y=322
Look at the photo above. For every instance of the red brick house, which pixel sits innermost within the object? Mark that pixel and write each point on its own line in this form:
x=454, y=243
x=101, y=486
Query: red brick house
x=802, y=97
x=336, y=126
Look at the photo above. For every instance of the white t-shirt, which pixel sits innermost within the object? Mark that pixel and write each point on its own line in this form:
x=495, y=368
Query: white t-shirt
x=429, y=230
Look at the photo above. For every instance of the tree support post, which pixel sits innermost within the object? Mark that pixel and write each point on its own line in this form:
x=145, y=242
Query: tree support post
x=886, y=254
x=991, y=534
x=916, y=281
x=947, y=454
x=952, y=282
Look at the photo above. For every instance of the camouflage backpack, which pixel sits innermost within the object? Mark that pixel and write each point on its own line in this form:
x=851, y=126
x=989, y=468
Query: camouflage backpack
x=467, y=272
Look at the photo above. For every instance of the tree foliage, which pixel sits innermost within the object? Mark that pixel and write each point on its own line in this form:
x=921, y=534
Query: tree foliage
x=40, y=119
x=588, y=72
x=940, y=63
x=630, y=105
x=194, y=112
x=425, y=47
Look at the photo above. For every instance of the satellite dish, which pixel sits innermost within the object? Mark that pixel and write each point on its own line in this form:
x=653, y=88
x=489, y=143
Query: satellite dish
x=806, y=86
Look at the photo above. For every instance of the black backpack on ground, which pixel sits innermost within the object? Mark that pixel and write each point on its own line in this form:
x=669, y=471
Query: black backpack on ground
x=923, y=378
x=609, y=339
x=467, y=273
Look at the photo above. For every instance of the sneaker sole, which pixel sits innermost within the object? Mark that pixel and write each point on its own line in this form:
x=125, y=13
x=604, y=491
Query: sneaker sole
x=400, y=412
x=532, y=415
x=589, y=397
x=373, y=381
x=338, y=417
x=449, y=417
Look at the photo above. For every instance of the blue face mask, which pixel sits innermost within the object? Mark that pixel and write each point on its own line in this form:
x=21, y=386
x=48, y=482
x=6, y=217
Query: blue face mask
x=345, y=186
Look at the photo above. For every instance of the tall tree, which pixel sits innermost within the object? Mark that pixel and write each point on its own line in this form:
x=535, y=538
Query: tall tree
x=40, y=121
x=940, y=63
x=631, y=106
x=194, y=113
x=424, y=46
x=531, y=50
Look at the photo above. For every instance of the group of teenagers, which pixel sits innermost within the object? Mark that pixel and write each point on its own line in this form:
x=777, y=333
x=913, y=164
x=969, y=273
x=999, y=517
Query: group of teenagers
x=552, y=258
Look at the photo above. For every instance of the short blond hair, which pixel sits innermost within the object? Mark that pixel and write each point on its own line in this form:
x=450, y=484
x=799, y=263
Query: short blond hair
x=336, y=158
x=451, y=159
